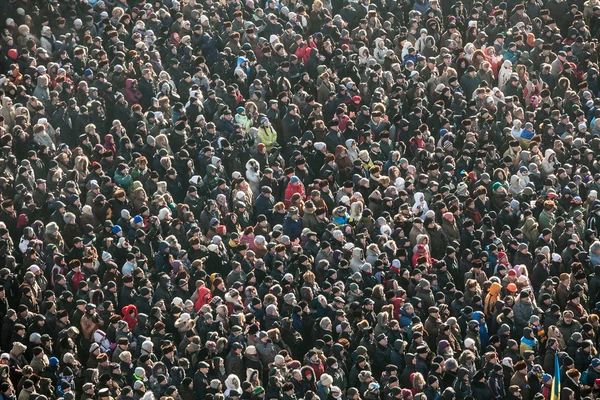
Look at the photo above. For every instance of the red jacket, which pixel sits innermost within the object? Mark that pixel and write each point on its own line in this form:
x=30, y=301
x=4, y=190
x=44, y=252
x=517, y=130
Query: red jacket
x=291, y=190
x=129, y=316
x=204, y=297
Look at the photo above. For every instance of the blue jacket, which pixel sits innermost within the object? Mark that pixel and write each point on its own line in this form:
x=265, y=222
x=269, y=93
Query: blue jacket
x=264, y=205
x=483, y=330
x=292, y=228
x=405, y=318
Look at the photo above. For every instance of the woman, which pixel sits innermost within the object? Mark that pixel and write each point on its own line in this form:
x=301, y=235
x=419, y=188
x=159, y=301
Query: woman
x=504, y=74
x=343, y=162
x=419, y=207
x=279, y=212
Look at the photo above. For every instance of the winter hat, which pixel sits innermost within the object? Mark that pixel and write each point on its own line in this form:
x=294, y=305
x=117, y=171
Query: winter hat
x=279, y=360
x=69, y=217
x=326, y=380
x=450, y=364
x=147, y=346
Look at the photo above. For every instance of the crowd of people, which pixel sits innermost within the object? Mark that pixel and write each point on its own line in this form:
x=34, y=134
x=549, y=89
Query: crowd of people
x=299, y=199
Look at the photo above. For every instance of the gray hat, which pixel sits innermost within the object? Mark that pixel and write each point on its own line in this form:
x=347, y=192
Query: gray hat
x=450, y=364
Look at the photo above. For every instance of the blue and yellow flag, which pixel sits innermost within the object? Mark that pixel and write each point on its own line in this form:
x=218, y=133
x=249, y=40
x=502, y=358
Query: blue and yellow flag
x=555, y=394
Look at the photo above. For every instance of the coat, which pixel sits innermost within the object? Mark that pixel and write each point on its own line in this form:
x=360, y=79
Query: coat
x=292, y=228
x=520, y=380
x=523, y=311
x=267, y=136
x=234, y=364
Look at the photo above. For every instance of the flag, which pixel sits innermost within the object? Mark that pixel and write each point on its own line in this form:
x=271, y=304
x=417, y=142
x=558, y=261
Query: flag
x=555, y=394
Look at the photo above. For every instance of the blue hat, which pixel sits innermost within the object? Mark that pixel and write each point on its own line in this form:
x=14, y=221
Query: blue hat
x=595, y=362
x=294, y=179
x=116, y=229
x=53, y=361
x=523, y=169
x=88, y=72
x=138, y=219
x=443, y=132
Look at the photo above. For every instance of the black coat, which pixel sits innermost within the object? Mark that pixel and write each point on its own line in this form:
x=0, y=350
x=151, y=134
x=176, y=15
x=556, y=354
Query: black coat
x=481, y=391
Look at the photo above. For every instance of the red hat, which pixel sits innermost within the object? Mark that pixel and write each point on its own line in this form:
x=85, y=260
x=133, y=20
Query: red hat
x=13, y=53
x=96, y=165
x=512, y=272
x=501, y=255
x=356, y=99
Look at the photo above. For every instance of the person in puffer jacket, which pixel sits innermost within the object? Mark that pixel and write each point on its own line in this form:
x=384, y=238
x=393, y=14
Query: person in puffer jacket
x=483, y=330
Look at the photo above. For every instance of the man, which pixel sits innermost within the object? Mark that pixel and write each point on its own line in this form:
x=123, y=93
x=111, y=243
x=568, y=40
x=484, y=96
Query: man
x=334, y=137
x=523, y=311
x=432, y=391
x=265, y=202
x=201, y=380
x=383, y=354
x=234, y=362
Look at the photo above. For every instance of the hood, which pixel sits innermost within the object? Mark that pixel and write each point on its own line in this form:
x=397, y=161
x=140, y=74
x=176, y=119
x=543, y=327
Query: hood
x=203, y=291
x=495, y=288
x=128, y=83
x=139, y=193
x=18, y=349
x=307, y=368
x=232, y=382
x=157, y=366
x=252, y=163
x=548, y=153
x=487, y=50
x=356, y=253
x=141, y=319
x=462, y=372
x=417, y=196
x=477, y=315
x=163, y=246
x=373, y=250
